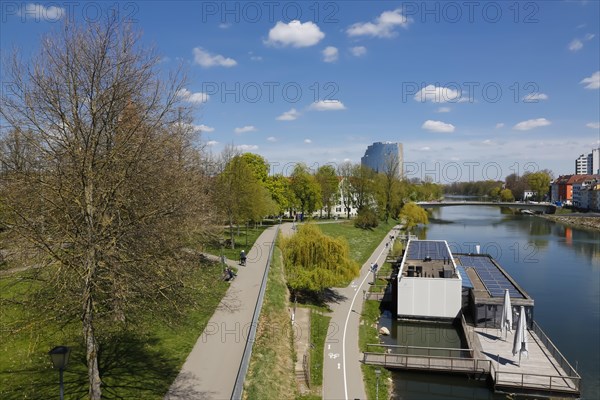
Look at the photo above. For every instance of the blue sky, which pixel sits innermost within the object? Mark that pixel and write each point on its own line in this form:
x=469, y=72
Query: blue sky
x=472, y=89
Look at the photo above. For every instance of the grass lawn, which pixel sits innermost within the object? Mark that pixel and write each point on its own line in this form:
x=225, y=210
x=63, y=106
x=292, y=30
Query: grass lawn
x=368, y=334
x=271, y=371
x=140, y=360
x=362, y=242
x=319, y=324
x=240, y=242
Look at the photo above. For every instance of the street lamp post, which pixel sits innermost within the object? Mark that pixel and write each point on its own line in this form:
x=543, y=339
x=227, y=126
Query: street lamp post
x=377, y=373
x=60, y=358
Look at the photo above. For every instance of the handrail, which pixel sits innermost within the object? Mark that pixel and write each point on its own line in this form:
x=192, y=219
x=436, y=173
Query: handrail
x=562, y=360
x=412, y=347
x=241, y=376
x=576, y=380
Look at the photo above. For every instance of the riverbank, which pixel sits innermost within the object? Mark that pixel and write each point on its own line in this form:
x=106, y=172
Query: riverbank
x=584, y=221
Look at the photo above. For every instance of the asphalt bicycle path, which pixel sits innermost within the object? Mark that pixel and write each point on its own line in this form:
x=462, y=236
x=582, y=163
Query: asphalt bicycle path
x=211, y=369
x=342, y=374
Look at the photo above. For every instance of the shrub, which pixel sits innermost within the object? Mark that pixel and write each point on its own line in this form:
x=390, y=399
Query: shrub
x=366, y=219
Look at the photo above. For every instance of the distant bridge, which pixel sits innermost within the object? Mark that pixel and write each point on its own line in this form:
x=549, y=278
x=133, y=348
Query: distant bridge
x=545, y=208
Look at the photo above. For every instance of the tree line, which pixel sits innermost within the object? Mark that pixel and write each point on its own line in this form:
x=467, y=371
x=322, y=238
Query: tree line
x=512, y=188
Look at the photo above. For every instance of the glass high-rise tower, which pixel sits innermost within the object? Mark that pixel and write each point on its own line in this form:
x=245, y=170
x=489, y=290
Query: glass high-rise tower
x=384, y=157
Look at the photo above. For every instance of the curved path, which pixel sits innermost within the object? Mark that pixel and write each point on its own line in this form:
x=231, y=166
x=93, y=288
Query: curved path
x=211, y=368
x=342, y=374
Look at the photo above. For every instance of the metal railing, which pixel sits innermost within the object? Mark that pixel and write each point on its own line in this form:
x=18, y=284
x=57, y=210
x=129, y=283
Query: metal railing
x=537, y=381
x=424, y=351
x=562, y=361
x=446, y=364
x=243, y=369
x=306, y=367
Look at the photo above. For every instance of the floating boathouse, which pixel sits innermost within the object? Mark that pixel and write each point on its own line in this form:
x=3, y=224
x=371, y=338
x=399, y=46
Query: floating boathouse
x=432, y=284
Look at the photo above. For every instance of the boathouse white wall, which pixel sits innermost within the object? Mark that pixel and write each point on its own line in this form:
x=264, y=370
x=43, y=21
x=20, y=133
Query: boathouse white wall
x=429, y=297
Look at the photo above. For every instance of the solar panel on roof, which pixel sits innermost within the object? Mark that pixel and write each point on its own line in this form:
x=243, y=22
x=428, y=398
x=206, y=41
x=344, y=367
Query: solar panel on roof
x=493, y=279
x=466, y=281
x=420, y=249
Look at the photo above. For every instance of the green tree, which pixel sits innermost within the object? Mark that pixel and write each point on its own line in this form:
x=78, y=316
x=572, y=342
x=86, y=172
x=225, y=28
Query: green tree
x=329, y=185
x=258, y=165
x=494, y=193
x=361, y=183
x=281, y=192
x=506, y=195
x=238, y=192
x=306, y=189
x=412, y=215
x=315, y=261
x=539, y=183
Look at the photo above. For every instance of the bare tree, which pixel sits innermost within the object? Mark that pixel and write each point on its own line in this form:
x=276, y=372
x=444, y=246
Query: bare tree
x=345, y=172
x=110, y=184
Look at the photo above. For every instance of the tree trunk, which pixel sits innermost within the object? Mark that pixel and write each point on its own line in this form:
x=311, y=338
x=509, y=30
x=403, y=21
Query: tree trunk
x=90, y=260
x=87, y=319
x=231, y=236
x=91, y=348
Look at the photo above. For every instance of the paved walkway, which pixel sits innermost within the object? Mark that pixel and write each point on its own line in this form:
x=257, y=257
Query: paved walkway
x=211, y=368
x=342, y=375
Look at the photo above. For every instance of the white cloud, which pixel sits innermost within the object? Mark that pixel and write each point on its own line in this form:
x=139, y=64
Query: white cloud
x=593, y=125
x=245, y=129
x=295, y=34
x=203, y=128
x=271, y=139
x=535, y=97
x=444, y=110
x=247, y=147
x=327, y=105
x=212, y=143
x=593, y=82
x=330, y=54
x=500, y=125
x=383, y=26
x=358, y=51
x=425, y=148
x=575, y=45
x=437, y=94
x=39, y=12
x=224, y=25
x=531, y=124
x=437, y=126
x=307, y=141
x=289, y=115
x=190, y=97
x=207, y=60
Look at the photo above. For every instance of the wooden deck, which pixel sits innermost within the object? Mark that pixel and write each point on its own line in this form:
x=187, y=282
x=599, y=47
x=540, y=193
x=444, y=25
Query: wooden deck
x=539, y=371
x=544, y=372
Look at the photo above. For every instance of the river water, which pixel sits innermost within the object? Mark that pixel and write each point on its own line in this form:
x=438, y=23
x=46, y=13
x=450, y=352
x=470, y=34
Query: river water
x=556, y=265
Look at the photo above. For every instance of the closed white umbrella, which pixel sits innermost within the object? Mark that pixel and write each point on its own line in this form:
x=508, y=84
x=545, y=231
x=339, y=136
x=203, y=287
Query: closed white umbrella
x=506, y=321
x=520, y=343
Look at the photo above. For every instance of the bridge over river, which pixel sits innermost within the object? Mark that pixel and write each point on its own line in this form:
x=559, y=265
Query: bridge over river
x=545, y=208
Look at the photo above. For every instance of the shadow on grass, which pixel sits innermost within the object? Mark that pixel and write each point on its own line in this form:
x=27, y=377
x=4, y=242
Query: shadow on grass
x=133, y=366
x=319, y=299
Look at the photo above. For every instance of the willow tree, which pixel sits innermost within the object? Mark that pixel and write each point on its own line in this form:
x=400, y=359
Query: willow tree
x=315, y=261
x=412, y=215
x=112, y=182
